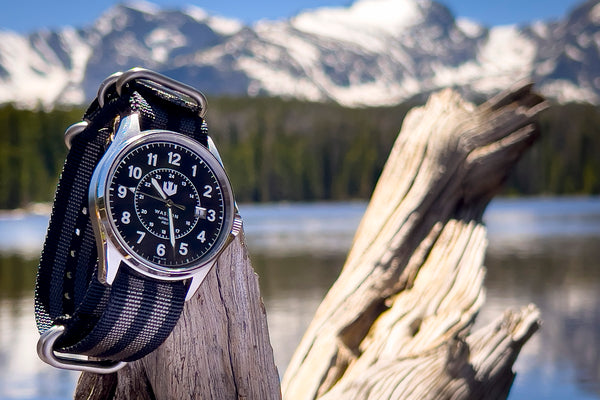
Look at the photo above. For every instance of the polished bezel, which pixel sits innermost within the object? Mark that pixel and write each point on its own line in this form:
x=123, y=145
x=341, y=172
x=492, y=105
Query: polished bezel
x=111, y=239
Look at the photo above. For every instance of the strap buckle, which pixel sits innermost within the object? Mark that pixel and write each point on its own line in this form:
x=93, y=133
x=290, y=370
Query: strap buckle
x=46, y=352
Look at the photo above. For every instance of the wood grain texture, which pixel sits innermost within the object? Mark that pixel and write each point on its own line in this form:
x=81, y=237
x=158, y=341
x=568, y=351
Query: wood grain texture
x=397, y=322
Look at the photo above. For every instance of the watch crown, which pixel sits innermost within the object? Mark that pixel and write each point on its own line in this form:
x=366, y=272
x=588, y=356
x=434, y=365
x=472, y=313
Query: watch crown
x=237, y=225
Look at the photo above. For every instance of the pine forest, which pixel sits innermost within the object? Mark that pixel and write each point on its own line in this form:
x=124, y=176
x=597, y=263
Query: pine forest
x=288, y=150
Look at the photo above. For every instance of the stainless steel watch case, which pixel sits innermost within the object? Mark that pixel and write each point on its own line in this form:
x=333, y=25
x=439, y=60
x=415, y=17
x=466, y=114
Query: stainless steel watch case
x=113, y=252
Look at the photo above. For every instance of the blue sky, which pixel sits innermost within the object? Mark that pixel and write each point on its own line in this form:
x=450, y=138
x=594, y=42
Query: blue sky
x=29, y=15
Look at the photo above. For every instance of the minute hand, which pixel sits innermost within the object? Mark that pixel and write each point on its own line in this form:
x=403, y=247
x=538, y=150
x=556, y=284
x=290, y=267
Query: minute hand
x=171, y=228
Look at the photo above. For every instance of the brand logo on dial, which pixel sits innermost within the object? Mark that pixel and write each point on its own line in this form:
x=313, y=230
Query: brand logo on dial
x=170, y=188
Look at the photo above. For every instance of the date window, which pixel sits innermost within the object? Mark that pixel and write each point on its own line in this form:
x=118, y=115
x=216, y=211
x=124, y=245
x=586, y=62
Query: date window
x=200, y=212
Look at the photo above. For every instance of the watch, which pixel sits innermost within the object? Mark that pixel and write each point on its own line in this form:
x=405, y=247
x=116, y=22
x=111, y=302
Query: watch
x=142, y=211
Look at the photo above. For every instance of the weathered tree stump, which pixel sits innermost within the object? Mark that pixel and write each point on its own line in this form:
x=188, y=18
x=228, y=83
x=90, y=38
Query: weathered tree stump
x=219, y=349
x=397, y=323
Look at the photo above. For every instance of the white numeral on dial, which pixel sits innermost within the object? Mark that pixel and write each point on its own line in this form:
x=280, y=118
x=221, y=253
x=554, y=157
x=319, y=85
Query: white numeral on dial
x=135, y=172
x=183, y=248
x=212, y=215
x=161, y=250
x=207, y=191
x=152, y=159
x=201, y=236
x=126, y=217
x=142, y=234
x=174, y=158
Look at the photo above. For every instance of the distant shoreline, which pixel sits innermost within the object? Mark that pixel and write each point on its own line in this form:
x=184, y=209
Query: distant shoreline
x=46, y=208
x=33, y=208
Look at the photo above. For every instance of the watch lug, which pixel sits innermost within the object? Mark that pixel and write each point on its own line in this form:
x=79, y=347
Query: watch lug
x=109, y=266
x=197, y=279
x=109, y=256
x=213, y=149
x=129, y=126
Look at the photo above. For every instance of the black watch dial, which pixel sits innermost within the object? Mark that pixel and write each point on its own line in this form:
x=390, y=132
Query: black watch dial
x=167, y=203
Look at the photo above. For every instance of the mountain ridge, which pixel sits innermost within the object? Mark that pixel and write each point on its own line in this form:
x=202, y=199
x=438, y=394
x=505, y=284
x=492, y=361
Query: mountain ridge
x=371, y=53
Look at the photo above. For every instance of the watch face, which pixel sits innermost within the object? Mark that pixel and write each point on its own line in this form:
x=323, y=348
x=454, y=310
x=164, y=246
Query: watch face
x=169, y=202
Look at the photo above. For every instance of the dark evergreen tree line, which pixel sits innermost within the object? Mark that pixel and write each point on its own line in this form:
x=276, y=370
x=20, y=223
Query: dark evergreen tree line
x=32, y=151
x=566, y=159
x=277, y=149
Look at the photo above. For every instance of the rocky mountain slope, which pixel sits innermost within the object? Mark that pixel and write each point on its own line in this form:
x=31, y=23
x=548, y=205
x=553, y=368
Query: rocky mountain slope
x=374, y=52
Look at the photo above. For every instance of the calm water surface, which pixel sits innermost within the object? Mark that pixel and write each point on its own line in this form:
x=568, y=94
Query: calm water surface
x=542, y=251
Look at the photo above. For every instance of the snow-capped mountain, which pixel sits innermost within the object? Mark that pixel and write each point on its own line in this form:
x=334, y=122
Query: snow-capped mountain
x=374, y=52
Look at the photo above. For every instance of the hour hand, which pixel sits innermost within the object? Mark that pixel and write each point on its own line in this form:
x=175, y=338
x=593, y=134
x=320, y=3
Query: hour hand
x=158, y=188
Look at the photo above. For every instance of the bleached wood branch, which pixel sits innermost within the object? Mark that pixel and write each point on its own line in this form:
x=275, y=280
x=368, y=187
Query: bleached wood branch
x=397, y=322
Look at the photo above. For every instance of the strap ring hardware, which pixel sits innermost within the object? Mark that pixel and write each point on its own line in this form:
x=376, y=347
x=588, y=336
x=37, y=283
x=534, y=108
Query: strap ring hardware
x=101, y=96
x=77, y=128
x=45, y=350
x=73, y=131
x=120, y=79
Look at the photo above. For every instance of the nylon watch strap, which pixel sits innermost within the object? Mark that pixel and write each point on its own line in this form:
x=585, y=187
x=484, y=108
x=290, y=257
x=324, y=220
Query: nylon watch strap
x=131, y=318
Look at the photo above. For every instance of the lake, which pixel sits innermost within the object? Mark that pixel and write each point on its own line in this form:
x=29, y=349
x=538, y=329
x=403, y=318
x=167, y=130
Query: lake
x=541, y=250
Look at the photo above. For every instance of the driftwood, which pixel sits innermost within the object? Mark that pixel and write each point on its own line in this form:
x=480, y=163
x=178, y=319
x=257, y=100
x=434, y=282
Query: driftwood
x=397, y=323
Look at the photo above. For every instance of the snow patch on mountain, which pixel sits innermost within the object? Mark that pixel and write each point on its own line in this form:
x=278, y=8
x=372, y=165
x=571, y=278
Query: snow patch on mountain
x=366, y=23
x=111, y=20
x=32, y=72
x=565, y=91
x=595, y=14
x=162, y=41
x=503, y=57
x=507, y=51
x=541, y=29
x=80, y=52
x=143, y=6
x=221, y=25
x=469, y=27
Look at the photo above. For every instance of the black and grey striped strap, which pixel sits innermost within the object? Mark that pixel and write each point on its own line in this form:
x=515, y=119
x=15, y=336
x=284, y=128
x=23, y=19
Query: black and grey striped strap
x=131, y=318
